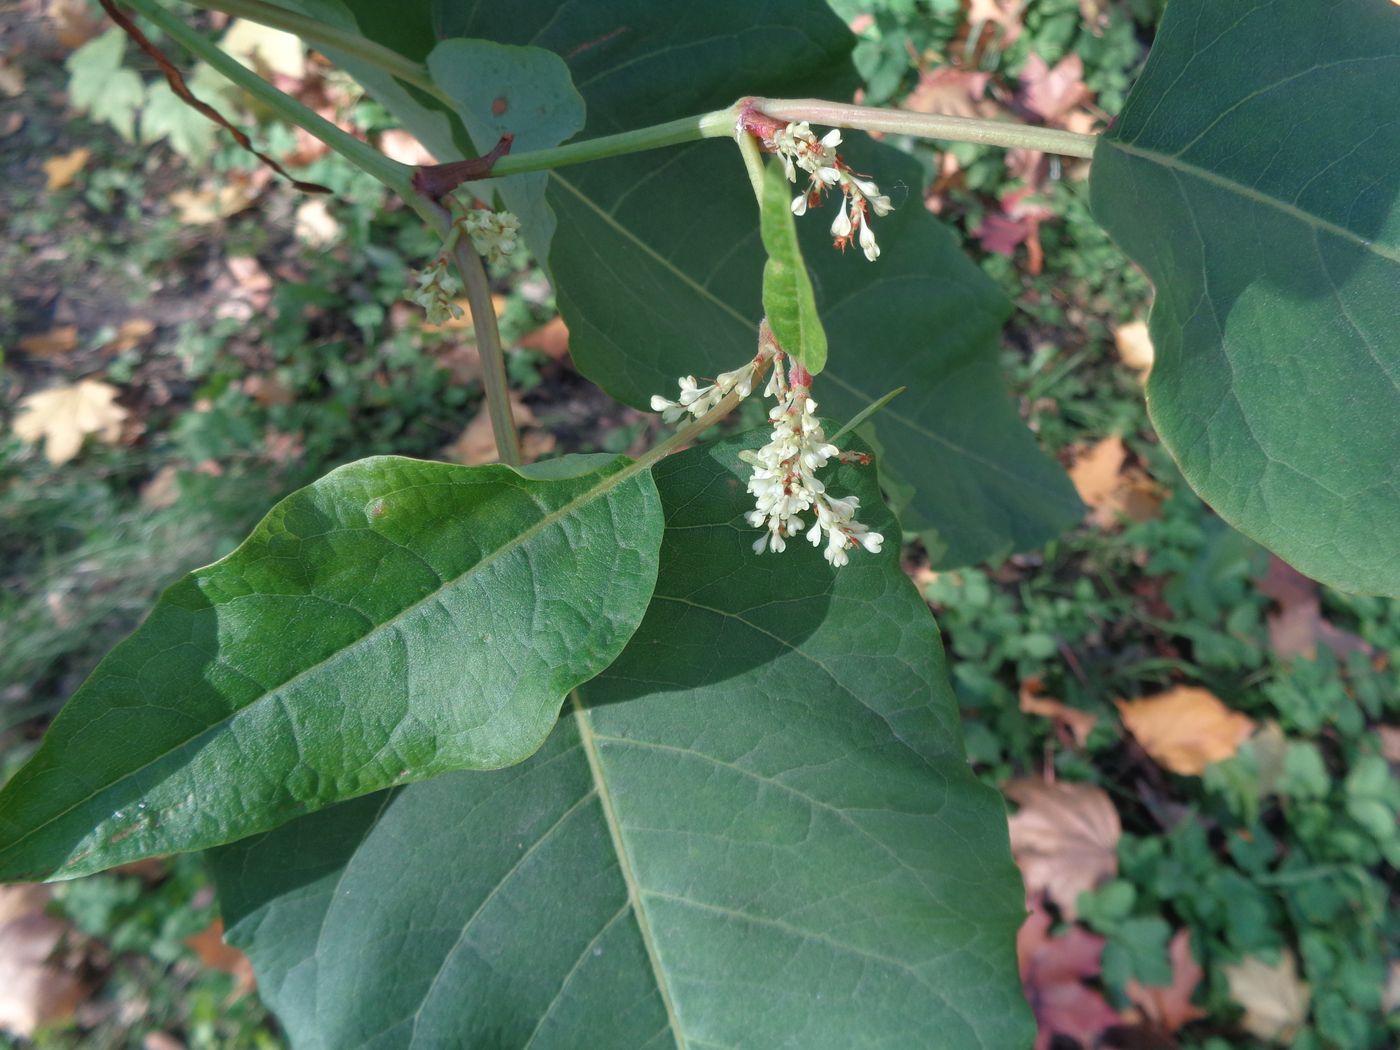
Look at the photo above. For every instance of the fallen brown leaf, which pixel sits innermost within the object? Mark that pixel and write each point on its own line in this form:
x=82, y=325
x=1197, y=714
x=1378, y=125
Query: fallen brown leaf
x=947, y=91
x=10, y=123
x=63, y=416
x=215, y=954
x=1095, y=470
x=130, y=333
x=60, y=171
x=1111, y=492
x=315, y=225
x=205, y=206
x=1274, y=998
x=1053, y=971
x=1390, y=743
x=11, y=79
x=1186, y=728
x=1034, y=702
x=1297, y=626
x=52, y=343
x=269, y=51
x=1134, y=344
x=34, y=989
x=1005, y=13
x=1052, y=93
x=1064, y=838
x=552, y=339
x=399, y=145
x=75, y=22
x=1169, y=1007
x=477, y=443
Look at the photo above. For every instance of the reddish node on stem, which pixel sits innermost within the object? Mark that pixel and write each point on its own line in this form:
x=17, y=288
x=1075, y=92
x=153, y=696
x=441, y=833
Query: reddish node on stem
x=759, y=124
x=436, y=181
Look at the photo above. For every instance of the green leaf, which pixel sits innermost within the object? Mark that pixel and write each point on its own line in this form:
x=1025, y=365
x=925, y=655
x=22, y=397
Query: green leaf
x=756, y=830
x=523, y=90
x=788, y=301
x=392, y=621
x=102, y=87
x=658, y=263
x=1253, y=176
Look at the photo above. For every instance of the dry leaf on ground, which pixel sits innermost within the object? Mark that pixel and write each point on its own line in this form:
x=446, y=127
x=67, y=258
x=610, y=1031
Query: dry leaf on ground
x=1186, y=728
x=1034, y=702
x=11, y=79
x=1297, y=626
x=399, y=145
x=205, y=206
x=60, y=171
x=75, y=22
x=946, y=91
x=1135, y=346
x=1110, y=492
x=130, y=333
x=34, y=989
x=1053, y=93
x=477, y=443
x=267, y=50
x=1053, y=971
x=1005, y=13
x=315, y=225
x=214, y=954
x=1274, y=998
x=1168, y=1007
x=1064, y=838
x=63, y=415
x=55, y=341
x=552, y=339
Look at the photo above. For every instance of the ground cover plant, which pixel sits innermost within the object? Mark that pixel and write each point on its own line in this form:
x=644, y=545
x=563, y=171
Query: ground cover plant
x=753, y=824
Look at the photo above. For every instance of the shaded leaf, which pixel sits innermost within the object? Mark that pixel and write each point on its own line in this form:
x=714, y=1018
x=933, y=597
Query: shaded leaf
x=755, y=830
x=394, y=620
x=1186, y=728
x=62, y=416
x=1248, y=175
x=1064, y=838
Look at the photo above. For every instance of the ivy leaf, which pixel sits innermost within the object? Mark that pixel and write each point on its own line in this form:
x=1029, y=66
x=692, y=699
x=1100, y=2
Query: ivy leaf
x=102, y=87
x=392, y=621
x=658, y=263
x=788, y=301
x=1251, y=177
x=755, y=830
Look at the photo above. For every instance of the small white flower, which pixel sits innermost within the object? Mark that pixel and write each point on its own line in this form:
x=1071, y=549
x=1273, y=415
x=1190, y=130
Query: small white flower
x=436, y=292
x=800, y=150
x=494, y=234
x=696, y=399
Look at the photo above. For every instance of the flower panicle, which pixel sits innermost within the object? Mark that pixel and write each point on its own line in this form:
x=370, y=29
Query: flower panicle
x=799, y=149
x=437, y=291
x=784, y=482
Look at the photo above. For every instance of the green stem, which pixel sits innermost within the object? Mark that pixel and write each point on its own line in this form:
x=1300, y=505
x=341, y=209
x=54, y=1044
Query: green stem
x=921, y=125
x=494, y=382
x=719, y=124
x=398, y=177
x=753, y=162
x=325, y=36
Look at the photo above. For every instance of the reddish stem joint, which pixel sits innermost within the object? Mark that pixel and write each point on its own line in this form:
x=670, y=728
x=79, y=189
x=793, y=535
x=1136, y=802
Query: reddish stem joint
x=436, y=181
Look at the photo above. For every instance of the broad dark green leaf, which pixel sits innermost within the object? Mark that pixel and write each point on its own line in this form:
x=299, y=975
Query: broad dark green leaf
x=757, y=830
x=392, y=621
x=658, y=262
x=788, y=300
x=1253, y=175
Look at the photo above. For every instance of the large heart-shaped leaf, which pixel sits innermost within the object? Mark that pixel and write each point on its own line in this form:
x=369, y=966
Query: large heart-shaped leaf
x=1253, y=174
x=658, y=263
x=755, y=830
x=392, y=621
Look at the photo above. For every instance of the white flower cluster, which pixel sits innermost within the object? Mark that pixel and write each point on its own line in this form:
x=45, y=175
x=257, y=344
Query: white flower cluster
x=494, y=234
x=696, y=400
x=437, y=291
x=798, y=147
x=784, y=482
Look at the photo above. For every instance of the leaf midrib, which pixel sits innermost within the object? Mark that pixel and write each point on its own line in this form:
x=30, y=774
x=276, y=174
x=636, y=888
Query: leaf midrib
x=1174, y=163
x=607, y=484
